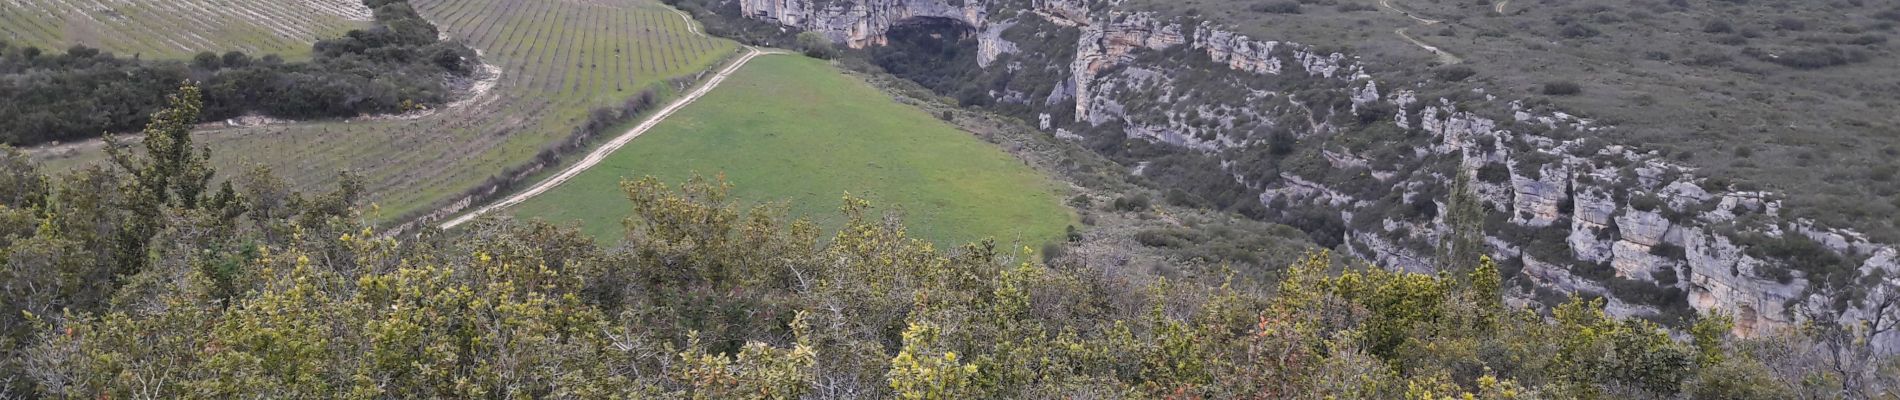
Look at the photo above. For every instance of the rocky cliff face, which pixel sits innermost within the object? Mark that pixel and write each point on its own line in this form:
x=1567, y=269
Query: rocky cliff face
x=864, y=22
x=1575, y=214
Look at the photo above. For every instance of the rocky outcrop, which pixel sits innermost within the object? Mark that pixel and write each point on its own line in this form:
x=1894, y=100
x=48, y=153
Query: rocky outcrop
x=1580, y=215
x=861, y=23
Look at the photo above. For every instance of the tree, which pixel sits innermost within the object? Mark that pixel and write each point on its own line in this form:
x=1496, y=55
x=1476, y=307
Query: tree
x=816, y=45
x=920, y=372
x=207, y=61
x=1464, y=217
x=170, y=173
x=22, y=186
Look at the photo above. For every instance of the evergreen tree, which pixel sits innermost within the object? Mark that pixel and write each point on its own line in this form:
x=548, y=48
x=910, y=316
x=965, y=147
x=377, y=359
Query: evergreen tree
x=1463, y=240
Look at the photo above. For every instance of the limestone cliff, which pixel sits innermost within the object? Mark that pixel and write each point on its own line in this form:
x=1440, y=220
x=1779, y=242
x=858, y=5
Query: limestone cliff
x=1574, y=214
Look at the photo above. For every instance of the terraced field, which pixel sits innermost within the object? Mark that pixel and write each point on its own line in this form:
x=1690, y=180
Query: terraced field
x=555, y=61
x=794, y=128
x=180, y=28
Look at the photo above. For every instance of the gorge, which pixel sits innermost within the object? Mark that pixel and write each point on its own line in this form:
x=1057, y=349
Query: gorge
x=1314, y=138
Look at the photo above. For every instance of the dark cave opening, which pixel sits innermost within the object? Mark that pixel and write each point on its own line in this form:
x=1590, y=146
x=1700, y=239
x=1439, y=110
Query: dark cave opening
x=938, y=53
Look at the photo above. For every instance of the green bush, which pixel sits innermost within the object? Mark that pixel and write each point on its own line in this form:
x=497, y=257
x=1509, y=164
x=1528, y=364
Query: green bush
x=1562, y=88
x=1494, y=173
x=1136, y=203
x=1455, y=73
x=1281, y=7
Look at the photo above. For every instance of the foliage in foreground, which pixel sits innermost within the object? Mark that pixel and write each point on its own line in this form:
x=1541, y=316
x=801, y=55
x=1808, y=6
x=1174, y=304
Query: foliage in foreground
x=254, y=291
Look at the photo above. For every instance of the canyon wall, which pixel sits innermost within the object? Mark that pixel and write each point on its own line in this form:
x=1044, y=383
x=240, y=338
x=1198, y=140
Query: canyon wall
x=1574, y=214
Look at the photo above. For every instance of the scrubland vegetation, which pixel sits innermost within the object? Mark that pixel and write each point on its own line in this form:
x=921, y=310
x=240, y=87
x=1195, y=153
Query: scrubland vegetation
x=153, y=278
x=1789, y=96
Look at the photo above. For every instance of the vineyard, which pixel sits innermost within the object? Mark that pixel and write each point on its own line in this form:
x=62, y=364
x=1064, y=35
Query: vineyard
x=180, y=28
x=551, y=62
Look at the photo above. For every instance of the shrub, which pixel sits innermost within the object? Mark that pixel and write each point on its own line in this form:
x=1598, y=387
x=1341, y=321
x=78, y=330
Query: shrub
x=1641, y=292
x=1867, y=39
x=1163, y=238
x=1579, y=31
x=1645, y=203
x=1709, y=58
x=1053, y=251
x=1668, y=250
x=1355, y=7
x=1562, y=88
x=1718, y=26
x=1138, y=202
x=1082, y=202
x=1791, y=24
x=816, y=45
x=1282, y=7
x=1494, y=173
x=1665, y=276
x=1811, y=58
x=1179, y=198
x=1455, y=73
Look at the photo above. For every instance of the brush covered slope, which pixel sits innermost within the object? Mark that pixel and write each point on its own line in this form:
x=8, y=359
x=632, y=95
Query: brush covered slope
x=1405, y=169
x=144, y=280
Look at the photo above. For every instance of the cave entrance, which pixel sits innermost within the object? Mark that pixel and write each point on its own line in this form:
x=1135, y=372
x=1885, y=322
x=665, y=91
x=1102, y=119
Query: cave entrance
x=938, y=53
x=929, y=33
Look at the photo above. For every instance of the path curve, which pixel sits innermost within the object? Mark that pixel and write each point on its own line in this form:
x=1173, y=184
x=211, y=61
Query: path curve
x=1444, y=57
x=1408, y=14
x=693, y=26
x=600, y=154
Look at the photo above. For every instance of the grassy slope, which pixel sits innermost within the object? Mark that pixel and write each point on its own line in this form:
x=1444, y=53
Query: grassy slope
x=793, y=128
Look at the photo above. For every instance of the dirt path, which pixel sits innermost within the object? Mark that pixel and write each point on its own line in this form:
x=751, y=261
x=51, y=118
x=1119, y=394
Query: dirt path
x=1444, y=57
x=600, y=154
x=1408, y=14
x=693, y=26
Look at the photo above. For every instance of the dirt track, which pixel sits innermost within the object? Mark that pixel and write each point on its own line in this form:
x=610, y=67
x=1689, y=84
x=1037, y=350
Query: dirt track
x=600, y=154
x=693, y=26
x=1444, y=57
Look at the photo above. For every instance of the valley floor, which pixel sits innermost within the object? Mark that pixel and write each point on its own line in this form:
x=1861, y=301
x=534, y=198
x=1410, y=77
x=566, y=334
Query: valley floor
x=796, y=129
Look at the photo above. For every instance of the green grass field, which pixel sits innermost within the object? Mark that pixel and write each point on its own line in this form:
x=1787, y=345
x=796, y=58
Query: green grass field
x=180, y=28
x=557, y=60
x=794, y=129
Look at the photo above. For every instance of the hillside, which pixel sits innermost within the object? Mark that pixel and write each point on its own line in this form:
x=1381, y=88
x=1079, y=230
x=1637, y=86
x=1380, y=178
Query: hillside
x=1409, y=164
x=550, y=65
x=180, y=29
x=793, y=130
x=142, y=282
x=1782, y=96
x=953, y=199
